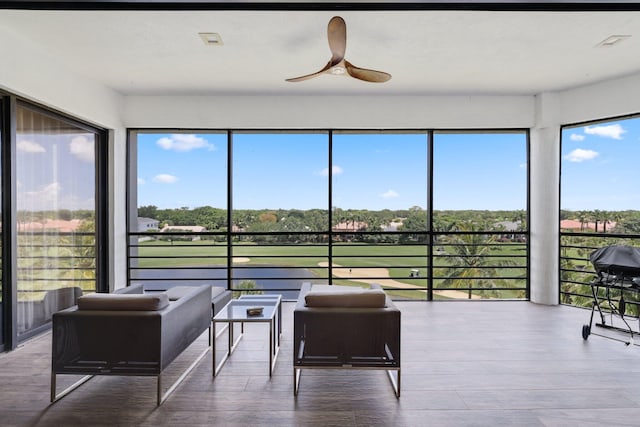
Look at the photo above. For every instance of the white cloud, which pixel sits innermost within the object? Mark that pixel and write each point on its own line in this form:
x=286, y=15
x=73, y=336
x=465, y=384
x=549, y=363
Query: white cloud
x=141, y=181
x=337, y=170
x=40, y=199
x=29, y=146
x=608, y=131
x=576, y=137
x=580, y=155
x=184, y=142
x=165, y=178
x=48, y=192
x=82, y=148
x=52, y=196
x=389, y=194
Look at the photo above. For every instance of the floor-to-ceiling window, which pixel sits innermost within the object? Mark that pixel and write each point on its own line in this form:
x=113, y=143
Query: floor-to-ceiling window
x=599, y=200
x=280, y=210
x=179, y=221
x=480, y=205
x=56, y=215
x=380, y=216
x=340, y=207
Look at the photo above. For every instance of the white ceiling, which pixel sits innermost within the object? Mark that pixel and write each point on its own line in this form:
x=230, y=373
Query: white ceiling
x=427, y=52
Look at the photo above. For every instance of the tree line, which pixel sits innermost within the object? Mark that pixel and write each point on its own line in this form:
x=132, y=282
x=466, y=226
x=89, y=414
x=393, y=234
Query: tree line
x=317, y=220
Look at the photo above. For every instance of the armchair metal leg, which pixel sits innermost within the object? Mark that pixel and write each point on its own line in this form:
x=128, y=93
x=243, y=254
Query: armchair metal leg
x=395, y=382
x=296, y=380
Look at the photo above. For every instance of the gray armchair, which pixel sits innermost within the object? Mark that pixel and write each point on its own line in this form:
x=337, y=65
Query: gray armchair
x=340, y=327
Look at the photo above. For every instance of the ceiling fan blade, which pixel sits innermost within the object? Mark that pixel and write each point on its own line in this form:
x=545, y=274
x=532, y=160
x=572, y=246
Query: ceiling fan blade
x=309, y=76
x=337, y=35
x=366, y=75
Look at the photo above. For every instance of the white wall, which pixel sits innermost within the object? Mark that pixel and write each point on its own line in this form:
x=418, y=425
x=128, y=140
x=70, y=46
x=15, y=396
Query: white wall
x=330, y=112
x=544, y=163
x=612, y=98
x=35, y=74
x=39, y=77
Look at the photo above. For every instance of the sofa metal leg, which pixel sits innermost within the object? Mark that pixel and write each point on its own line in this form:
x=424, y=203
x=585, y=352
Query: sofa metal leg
x=55, y=397
x=162, y=397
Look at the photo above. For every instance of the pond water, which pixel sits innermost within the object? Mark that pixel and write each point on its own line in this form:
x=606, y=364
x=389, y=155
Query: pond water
x=270, y=279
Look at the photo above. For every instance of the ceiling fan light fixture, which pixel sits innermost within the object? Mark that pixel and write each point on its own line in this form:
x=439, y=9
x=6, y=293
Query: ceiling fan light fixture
x=613, y=40
x=338, y=65
x=211, y=39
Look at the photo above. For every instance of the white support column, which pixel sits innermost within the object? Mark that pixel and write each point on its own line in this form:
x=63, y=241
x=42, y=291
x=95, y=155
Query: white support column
x=544, y=209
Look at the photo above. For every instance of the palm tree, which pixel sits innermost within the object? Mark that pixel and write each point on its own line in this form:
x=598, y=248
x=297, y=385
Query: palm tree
x=606, y=218
x=597, y=215
x=470, y=261
x=583, y=218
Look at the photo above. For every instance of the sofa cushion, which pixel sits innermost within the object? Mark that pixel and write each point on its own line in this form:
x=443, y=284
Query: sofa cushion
x=177, y=292
x=354, y=297
x=124, y=302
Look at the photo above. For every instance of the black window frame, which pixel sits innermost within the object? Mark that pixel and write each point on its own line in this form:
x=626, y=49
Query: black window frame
x=9, y=105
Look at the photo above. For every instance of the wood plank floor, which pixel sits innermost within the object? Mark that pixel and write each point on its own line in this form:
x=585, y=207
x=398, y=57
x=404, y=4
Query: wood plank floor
x=463, y=364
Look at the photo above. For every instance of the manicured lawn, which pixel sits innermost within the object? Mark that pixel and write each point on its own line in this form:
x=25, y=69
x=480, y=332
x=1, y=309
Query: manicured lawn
x=395, y=261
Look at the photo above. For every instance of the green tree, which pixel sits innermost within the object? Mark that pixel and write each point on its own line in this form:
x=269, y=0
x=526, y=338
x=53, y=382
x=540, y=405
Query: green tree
x=471, y=263
x=150, y=211
x=247, y=287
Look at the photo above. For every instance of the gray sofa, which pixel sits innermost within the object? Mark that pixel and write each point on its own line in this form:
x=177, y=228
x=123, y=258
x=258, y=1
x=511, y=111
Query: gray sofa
x=128, y=332
x=339, y=327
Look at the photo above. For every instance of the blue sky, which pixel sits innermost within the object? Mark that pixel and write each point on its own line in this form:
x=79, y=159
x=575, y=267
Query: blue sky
x=55, y=171
x=370, y=171
x=599, y=166
x=386, y=171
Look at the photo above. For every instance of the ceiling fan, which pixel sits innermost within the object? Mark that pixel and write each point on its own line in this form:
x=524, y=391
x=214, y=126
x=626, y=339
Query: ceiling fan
x=337, y=65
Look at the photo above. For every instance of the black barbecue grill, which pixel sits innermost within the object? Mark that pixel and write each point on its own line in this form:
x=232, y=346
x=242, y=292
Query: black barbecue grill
x=615, y=290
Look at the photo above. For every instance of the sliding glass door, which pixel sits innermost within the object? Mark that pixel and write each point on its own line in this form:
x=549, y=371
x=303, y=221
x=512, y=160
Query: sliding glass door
x=55, y=181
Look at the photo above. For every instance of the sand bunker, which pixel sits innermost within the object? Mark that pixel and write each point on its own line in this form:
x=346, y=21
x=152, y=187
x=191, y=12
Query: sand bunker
x=364, y=275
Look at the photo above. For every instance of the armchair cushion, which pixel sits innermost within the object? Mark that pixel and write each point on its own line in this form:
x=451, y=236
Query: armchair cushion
x=124, y=302
x=358, y=298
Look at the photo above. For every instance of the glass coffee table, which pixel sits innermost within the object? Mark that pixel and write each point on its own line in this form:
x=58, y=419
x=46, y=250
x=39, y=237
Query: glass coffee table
x=268, y=297
x=236, y=312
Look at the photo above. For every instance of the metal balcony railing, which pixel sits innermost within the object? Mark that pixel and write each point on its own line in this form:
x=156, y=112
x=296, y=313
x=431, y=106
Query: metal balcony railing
x=486, y=265
x=577, y=272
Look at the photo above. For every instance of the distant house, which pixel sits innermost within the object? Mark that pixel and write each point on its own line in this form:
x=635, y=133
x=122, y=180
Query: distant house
x=60, y=225
x=146, y=224
x=574, y=225
x=392, y=226
x=509, y=226
x=351, y=226
x=188, y=228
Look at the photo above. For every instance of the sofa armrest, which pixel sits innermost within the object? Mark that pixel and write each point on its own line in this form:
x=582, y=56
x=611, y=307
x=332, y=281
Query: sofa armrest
x=185, y=320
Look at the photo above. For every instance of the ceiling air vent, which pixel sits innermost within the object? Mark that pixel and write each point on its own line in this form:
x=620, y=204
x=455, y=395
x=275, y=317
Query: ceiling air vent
x=211, y=39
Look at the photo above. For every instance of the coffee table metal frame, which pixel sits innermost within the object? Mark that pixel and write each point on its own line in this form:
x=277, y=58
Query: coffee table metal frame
x=268, y=297
x=236, y=312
